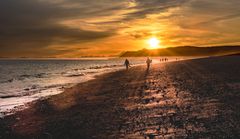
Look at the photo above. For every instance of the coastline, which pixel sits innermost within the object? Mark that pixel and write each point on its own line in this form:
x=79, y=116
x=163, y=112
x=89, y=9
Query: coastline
x=24, y=102
x=13, y=103
x=137, y=104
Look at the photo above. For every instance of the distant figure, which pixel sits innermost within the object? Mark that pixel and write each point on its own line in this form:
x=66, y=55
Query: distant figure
x=148, y=61
x=127, y=64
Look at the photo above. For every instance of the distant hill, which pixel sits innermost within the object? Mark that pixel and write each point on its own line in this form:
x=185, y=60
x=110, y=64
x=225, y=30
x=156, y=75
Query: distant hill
x=234, y=54
x=184, y=51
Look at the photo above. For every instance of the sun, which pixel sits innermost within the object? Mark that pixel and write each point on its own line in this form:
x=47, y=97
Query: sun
x=153, y=43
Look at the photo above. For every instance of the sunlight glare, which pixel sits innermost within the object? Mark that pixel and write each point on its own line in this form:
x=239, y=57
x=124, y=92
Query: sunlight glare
x=153, y=43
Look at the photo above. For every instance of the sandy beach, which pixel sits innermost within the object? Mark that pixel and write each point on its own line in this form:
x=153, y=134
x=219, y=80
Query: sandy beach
x=183, y=99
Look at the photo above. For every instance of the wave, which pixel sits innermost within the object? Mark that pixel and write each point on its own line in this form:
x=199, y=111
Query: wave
x=39, y=75
x=74, y=75
x=25, y=76
x=34, y=89
x=28, y=86
x=96, y=67
x=7, y=81
x=83, y=71
x=105, y=66
x=8, y=96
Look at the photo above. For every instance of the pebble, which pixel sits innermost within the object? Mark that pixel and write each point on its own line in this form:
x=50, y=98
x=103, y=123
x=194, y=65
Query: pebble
x=1, y=115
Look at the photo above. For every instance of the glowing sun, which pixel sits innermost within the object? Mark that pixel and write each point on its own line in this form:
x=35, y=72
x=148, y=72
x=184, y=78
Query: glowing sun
x=153, y=43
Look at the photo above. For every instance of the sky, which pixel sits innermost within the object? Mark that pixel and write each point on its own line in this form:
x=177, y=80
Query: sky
x=75, y=28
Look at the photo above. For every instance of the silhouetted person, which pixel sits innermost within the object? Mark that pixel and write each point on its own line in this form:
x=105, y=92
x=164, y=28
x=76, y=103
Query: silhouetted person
x=127, y=64
x=148, y=61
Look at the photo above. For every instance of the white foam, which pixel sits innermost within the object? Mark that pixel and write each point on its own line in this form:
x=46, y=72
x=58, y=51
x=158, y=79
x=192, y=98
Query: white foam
x=1, y=115
x=50, y=85
x=10, y=105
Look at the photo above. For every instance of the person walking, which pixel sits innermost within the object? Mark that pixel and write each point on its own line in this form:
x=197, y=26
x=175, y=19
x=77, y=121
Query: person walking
x=148, y=61
x=127, y=64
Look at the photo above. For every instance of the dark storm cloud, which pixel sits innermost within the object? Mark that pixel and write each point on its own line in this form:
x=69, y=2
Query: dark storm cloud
x=33, y=25
x=139, y=34
x=145, y=7
x=218, y=19
x=212, y=22
x=154, y=6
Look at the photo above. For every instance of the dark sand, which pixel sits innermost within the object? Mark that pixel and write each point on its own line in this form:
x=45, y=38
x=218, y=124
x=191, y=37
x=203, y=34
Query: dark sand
x=185, y=99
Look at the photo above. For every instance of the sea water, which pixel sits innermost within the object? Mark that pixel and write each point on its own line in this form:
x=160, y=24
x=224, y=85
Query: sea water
x=26, y=80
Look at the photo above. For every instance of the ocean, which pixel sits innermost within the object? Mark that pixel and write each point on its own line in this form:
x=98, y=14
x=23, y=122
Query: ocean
x=26, y=80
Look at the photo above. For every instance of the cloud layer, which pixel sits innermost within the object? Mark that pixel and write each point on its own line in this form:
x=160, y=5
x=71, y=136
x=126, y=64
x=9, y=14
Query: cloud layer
x=42, y=28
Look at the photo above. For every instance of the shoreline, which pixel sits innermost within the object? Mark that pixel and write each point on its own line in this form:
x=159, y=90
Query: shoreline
x=28, y=101
x=32, y=99
x=171, y=100
x=25, y=105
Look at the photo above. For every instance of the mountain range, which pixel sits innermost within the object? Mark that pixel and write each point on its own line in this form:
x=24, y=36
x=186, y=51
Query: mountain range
x=184, y=51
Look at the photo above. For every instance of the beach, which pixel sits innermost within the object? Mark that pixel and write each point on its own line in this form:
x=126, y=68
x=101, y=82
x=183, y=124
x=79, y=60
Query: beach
x=25, y=80
x=196, y=98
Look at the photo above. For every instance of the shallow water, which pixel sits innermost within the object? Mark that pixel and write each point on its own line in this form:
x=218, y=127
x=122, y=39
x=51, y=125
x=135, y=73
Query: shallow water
x=25, y=80
x=22, y=81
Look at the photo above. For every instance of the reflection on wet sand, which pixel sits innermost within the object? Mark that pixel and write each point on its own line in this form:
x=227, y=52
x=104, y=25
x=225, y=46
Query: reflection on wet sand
x=185, y=99
x=165, y=111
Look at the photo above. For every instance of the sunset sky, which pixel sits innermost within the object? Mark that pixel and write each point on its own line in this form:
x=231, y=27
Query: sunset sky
x=74, y=28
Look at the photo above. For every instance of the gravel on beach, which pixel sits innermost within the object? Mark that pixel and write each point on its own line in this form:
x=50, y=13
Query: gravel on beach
x=185, y=99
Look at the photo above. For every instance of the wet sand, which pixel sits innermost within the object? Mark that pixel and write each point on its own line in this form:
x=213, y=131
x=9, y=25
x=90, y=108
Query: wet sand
x=184, y=99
